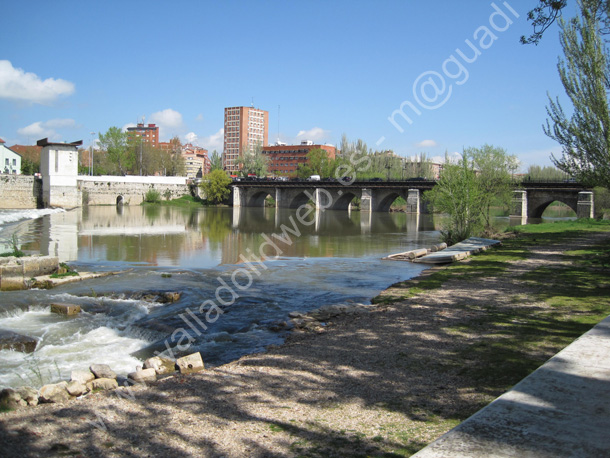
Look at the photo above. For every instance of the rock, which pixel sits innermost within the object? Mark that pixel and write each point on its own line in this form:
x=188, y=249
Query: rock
x=83, y=376
x=76, y=388
x=65, y=309
x=143, y=376
x=190, y=363
x=160, y=365
x=295, y=314
x=10, y=340
x=105, y=384
x=169, y=296
x=102, y=371
x=29, y=395
x=55, y=392
x=11, y=399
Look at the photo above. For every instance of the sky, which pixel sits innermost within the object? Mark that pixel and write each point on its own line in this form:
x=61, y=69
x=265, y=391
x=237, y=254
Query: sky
x=416, y=77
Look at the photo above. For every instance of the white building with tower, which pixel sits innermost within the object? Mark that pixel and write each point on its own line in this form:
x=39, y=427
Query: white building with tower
x=59, y=170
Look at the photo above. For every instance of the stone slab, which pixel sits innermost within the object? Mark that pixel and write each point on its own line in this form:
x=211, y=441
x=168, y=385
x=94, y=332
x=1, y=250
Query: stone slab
x=561, y=409
x=458, y=251
x=65, y=309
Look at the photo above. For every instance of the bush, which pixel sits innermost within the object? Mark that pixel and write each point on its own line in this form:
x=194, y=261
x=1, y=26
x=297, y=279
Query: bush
x=152, y=196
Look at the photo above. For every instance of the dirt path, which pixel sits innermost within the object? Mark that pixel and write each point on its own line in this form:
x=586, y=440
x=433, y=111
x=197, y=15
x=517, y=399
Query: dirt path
x=383, y=383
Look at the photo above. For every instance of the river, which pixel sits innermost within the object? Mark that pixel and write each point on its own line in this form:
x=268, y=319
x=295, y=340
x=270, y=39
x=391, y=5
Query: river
x=254, y=265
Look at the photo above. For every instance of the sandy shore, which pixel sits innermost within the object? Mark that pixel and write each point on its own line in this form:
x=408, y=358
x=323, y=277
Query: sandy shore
x=384, y=383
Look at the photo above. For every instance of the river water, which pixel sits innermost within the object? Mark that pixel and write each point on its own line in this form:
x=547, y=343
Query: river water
x=239, y=272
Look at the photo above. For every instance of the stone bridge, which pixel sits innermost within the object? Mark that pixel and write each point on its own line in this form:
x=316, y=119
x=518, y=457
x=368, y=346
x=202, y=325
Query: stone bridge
x=374, y=196
x=530, y=198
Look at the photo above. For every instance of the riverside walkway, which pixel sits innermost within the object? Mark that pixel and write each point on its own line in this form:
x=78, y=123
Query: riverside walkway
x=560, y=410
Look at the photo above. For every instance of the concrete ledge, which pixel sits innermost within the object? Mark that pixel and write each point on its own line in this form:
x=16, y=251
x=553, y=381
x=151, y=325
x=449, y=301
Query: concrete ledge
x=562, y=409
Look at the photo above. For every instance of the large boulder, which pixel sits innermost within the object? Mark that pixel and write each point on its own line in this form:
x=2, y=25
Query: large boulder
x=83, y=376
x=65, y=309
x=55, y=392
x=143, y=376
x=102, y=371
x=160, y=365
x=29, y=395
x=11, y=399
x=105, y=384
x=190, y=363
x=76, y=388
x=10, y=340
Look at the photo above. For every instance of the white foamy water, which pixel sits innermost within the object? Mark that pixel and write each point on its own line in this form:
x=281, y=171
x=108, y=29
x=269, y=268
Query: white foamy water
x=12, y=216
x=99, y=336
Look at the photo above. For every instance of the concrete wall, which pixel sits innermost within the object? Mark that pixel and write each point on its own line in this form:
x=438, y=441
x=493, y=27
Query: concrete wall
x=19, y=192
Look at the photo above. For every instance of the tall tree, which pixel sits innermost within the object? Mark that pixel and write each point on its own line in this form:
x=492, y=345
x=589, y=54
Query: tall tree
x=253, y=161
x=459, y=194
x=216, y=186
x=548, y=11
x=215, y=161
x=495, y=169
x=114, y=142
x=585, y=75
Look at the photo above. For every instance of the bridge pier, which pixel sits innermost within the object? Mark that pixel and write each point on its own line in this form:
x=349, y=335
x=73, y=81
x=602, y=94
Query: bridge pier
x=585, y=207
x=519, y=203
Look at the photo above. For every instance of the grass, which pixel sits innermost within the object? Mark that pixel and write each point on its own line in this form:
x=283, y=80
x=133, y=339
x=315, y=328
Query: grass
x=501, y=341
x=184, y=201
x=63, y=271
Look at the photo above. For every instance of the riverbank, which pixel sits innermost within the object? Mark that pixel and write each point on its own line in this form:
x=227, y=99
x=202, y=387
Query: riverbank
x=434, y=351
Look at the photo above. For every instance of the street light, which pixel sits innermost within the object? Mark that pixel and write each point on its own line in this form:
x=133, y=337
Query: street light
x=91, y=155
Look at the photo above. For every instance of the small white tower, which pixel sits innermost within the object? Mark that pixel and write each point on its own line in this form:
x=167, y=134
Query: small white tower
x=59, y=170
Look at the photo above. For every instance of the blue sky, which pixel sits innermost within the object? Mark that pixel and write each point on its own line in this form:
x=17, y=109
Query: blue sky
x=70, y=68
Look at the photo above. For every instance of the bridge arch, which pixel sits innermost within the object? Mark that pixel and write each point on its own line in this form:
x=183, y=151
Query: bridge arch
x=257, y=199
x=540, y=207
x=120, y=200
x=387, y=200
x=343, y=201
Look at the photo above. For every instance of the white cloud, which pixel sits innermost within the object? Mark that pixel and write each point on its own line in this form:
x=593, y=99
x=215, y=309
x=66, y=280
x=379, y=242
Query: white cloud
x=46, y=129
x=16, y=84
x=426, y=144
x=317, y=134
x=214, y=141
x=191, y=137
x=169, y=121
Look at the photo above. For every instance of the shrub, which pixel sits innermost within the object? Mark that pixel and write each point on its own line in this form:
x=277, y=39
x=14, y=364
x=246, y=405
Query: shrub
x=152, y=196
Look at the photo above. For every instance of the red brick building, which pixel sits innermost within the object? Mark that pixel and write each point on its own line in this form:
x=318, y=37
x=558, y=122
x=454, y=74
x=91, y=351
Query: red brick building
x=285, y=159
x=149, y=134
x=244, y=129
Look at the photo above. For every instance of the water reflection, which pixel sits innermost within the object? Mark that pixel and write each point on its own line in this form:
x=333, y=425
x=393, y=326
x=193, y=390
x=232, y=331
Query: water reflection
x=208, y=237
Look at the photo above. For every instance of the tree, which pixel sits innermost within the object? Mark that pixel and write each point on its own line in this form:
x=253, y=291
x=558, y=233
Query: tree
x=548, y=11
x=495, y=169
x=215, y=161
x=459, y=194
x=253, y=161
x=585, y=75
x=114, y=141
x=216, y=186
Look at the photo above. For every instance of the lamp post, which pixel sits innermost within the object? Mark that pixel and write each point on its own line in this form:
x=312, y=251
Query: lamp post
x=91, y=155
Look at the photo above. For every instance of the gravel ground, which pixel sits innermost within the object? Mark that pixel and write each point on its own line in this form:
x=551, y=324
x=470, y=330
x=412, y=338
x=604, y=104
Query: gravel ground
x=384, y=383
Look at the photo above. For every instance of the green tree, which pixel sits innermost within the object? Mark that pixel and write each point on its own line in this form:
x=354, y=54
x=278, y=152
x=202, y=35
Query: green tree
x=585, y=75
x=459, y=194
x=215, y=161
x=253, y=161
x=114, y=142
x=216, y=186
x=495, y=169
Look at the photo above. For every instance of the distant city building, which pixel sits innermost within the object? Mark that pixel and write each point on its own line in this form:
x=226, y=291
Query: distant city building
x=244, y=129
x=285, y=159
x=196, y=161
x=9, y=160
x=149, y=134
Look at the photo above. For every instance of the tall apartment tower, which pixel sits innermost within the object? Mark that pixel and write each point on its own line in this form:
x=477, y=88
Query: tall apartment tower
x=245, y=128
